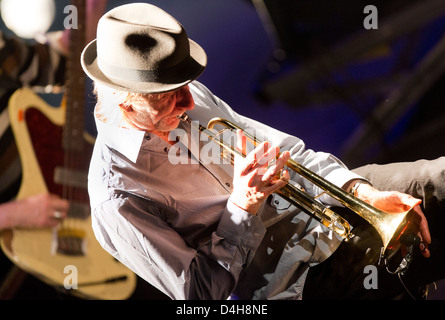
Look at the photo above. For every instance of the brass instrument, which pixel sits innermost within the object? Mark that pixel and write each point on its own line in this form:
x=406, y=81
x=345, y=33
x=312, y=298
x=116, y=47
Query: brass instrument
x=389, y=226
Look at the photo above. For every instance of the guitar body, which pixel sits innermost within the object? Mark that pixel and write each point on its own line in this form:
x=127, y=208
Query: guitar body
x=38, y=131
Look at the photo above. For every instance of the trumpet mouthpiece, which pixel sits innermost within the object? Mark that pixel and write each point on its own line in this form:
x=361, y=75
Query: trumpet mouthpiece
x=184, y=117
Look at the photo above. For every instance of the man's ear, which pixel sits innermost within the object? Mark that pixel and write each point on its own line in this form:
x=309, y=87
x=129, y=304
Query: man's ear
x=126, y=107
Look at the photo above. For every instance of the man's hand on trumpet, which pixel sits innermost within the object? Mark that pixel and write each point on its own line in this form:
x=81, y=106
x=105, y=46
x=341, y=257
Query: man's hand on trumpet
x=396, y=202
x=258, y=175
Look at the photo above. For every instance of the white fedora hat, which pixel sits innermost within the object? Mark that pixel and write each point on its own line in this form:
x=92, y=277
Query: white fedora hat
x=141, y=48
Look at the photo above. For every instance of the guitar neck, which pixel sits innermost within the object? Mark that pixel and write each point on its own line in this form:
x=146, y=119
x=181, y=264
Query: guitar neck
x=75, y=84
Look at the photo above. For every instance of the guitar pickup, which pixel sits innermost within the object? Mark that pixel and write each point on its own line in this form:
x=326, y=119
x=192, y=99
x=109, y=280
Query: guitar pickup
x=69, y=241
x=71, y=177
x=78, y=210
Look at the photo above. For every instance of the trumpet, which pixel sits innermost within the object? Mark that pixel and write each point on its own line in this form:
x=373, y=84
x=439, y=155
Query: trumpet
x=389, y=226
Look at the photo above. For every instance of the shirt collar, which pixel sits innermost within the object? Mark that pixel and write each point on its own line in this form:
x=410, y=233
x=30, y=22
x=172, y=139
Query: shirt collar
x=124, y=140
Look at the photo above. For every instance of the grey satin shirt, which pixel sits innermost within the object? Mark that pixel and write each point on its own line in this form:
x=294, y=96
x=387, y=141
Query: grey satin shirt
x=166, y=213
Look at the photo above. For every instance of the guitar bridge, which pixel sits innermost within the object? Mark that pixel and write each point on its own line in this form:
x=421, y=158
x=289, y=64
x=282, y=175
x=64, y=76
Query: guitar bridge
x=70, y=241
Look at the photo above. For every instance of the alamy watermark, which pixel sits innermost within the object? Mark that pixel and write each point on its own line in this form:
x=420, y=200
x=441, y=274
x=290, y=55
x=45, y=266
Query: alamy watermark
x=71, y=21
x=71, y=280
x=371, y=21
x=371, y=280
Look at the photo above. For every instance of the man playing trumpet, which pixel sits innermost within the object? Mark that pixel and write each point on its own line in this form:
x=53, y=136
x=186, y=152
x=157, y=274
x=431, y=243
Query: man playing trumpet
x=203, y=230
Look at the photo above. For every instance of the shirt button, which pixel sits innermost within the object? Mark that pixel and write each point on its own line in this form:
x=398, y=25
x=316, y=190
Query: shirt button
x=147, y=137
x=228, y=184
x=166, y=149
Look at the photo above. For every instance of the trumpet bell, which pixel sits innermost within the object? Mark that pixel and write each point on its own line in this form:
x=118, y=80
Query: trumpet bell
x=391, y=227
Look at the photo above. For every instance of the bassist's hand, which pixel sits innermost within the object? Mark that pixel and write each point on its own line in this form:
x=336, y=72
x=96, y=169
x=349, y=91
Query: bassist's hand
x=43, y=210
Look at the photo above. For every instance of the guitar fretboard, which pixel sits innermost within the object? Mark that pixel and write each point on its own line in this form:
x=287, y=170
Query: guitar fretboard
x=75, y=84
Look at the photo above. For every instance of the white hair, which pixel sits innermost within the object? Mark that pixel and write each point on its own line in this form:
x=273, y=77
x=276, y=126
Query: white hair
x=108, y=100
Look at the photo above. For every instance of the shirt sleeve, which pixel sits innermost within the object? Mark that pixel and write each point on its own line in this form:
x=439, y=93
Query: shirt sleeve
x=161, y=256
